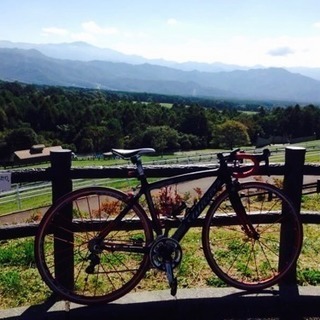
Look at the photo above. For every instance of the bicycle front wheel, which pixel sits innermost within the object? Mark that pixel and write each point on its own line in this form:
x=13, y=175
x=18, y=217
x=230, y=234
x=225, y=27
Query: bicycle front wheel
x=79, y=266
x=252, y=261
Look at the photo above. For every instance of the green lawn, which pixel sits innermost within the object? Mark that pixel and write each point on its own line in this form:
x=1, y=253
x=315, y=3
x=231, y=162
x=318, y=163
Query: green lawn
x=20, y=283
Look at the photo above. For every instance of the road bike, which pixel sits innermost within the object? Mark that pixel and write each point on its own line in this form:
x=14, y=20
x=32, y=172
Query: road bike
x=95, y=244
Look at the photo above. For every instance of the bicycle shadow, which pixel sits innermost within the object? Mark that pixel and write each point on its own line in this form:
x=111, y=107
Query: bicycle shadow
x=217, y=304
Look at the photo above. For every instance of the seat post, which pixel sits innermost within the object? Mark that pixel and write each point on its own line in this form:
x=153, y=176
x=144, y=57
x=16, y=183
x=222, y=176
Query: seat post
x=136, y=160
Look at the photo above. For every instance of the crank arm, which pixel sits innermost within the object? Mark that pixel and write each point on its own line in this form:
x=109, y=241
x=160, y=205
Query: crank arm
x=173, y=283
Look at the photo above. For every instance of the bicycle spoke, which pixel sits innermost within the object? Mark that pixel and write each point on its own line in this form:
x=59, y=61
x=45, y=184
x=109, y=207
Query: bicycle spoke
x=103, y=270
x=250, y=261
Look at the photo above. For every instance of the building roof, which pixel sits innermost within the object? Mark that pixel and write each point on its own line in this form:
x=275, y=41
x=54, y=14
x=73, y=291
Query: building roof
x=36, y=153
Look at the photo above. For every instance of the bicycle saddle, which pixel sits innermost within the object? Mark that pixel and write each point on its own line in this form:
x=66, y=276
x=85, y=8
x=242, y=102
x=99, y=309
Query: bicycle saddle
x=128, y=153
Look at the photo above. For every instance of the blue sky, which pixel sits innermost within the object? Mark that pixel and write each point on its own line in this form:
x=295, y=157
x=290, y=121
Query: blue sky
x=243, y=32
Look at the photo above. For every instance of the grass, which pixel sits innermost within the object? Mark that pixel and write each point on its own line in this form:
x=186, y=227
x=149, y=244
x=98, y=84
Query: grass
x=20, y=282
x=44, y=199
x=26, y=204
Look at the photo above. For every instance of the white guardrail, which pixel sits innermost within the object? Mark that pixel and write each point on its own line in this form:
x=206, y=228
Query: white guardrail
x=25, y=191
x=22, y=192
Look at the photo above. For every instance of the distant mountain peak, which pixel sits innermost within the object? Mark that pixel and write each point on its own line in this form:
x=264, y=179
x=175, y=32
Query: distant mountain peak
x=82, y=51
x=79, y=43
x=78, y=64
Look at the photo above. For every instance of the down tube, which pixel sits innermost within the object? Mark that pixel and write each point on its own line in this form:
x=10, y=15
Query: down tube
x=196, y=210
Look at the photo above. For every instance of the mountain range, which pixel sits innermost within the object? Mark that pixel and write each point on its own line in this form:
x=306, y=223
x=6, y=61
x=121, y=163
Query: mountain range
x=79, y=64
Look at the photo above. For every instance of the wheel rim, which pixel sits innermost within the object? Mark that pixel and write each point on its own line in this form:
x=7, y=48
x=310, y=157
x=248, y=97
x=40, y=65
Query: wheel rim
x=96, y=276
x=251, y=262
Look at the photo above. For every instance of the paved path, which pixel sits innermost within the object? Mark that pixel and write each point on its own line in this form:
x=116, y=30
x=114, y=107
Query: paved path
x=203, y=184
x=300, y=303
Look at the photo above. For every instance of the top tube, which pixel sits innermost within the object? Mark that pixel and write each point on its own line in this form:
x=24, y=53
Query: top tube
x=235, y=156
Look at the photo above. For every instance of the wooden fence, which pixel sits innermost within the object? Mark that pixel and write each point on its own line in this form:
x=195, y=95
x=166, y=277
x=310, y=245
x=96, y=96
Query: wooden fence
x=61, y=174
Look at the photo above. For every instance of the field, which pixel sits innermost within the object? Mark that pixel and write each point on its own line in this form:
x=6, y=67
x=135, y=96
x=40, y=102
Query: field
x=20, y=283
x=28, y=196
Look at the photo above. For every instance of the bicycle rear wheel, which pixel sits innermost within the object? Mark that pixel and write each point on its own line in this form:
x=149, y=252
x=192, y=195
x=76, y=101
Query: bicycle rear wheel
x=246, y=262
x=81, y=269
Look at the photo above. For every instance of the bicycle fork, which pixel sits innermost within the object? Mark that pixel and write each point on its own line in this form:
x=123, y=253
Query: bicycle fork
x=240, y=211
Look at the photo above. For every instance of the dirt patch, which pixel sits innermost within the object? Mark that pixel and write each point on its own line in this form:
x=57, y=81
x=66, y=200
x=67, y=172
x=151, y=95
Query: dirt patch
x=21, y=216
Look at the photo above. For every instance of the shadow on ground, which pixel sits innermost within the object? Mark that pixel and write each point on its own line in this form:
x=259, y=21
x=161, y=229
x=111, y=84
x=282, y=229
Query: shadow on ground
x=197, y=304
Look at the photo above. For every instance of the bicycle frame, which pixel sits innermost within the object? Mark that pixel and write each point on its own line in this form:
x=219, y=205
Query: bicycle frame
x=195, y=210
x=223, y=177
x=111, y=239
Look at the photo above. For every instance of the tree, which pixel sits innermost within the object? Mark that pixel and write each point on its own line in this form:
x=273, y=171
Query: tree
x=155, y=137
x=161, y=138
x=113, y=135
x=232, y=133
x=86, y=145
x=195, y=121
x=91, y=139
x=20, y=139
x=3, y=119
x=253, y=128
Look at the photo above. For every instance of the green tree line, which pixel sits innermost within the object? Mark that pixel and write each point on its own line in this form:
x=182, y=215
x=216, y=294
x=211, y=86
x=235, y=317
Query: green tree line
x=94, y=121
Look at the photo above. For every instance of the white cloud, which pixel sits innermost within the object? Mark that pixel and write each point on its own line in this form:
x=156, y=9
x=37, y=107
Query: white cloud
x=55, y=31
x=94, y=28
x=240, y=50
x=235, y=49
x=89, y=32
x=317, y=24
x=280, y=51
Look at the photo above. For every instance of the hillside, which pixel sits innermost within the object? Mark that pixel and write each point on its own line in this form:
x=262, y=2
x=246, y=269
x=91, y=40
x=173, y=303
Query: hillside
x=32, y=66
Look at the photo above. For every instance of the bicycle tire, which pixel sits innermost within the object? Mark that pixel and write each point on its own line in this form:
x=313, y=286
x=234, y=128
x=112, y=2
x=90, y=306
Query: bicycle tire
x=95, y=275
x=242, y=261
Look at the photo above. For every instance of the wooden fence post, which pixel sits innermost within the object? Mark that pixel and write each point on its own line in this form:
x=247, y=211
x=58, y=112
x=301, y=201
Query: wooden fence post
x=292, y=185
x=60, y=173
x=62, y=184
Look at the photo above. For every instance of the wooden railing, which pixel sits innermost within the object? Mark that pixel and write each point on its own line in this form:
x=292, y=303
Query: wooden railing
x=61, y=174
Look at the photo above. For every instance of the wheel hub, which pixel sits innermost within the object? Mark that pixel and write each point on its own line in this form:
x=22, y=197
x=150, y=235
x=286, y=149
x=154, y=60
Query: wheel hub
x=94, y=246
